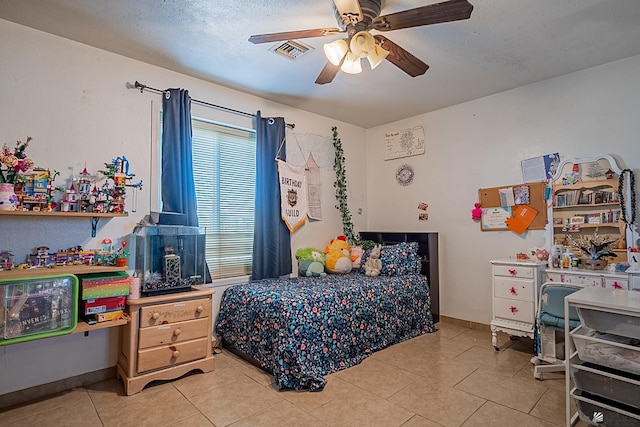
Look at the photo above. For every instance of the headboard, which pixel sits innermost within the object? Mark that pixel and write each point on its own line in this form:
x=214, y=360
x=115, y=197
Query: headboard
x=428, y=251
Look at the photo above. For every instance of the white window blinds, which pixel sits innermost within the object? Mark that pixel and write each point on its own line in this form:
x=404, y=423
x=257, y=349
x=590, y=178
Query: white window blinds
x=224, y=171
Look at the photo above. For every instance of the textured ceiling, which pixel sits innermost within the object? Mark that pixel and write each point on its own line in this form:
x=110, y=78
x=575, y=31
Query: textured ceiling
x=505, y=44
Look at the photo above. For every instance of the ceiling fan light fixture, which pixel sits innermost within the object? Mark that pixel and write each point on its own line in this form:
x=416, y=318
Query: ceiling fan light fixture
x=377, y=56
x=335, y=51
x=362, y=44
x=351, y=64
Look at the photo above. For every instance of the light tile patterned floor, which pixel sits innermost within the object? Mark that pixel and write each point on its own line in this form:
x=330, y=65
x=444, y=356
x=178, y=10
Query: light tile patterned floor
x=452, y=377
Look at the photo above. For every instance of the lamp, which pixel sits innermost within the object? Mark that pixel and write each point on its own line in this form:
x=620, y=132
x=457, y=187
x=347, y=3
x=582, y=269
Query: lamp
x=351, y=64
x=377, y=56
x=336, y=50
x=362, y=45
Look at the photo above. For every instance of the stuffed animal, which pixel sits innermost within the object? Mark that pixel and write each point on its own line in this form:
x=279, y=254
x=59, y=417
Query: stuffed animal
x=338, y=256
x=356, y=257
x=373, y=265
x=310, y=262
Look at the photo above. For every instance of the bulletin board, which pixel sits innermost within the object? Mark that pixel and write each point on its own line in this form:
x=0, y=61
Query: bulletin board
x=490, y=198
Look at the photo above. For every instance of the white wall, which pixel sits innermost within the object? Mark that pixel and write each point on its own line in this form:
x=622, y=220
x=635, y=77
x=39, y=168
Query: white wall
x=74, y=101
x=480, y=144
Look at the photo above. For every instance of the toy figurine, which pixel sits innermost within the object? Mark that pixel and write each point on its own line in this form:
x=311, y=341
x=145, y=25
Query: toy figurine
x=476, y=212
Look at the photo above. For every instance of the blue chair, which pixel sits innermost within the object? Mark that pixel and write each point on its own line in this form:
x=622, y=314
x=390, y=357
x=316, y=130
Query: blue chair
x=549, y=328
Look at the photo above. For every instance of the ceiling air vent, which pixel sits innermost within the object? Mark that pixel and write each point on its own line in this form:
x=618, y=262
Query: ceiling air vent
x=291, y=49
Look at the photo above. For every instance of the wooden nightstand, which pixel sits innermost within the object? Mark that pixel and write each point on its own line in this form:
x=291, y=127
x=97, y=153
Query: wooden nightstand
x=168, y=336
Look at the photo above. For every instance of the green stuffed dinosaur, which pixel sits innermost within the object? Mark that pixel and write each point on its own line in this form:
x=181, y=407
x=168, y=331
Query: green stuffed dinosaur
x=310, y=262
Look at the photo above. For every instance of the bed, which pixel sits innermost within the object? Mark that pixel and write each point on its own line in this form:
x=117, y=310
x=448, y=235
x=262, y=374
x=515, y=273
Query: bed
x=301, y=329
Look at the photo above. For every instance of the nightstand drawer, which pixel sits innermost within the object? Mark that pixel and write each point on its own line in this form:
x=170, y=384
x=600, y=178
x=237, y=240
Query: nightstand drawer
x=517, y=289
x=514, y=271
x=173, y=333
x=521, y=311
x=173, y=354
x=174, y=312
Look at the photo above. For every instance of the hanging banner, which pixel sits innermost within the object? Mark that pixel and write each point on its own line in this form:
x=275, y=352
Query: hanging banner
x=293, y=195
x=314, y=189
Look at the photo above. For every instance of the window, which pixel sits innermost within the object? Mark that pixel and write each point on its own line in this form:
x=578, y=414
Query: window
x=224, y=170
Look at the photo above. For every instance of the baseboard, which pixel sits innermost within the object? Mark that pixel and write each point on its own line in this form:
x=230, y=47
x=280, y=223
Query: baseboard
x=465, y=323
x=20, y=397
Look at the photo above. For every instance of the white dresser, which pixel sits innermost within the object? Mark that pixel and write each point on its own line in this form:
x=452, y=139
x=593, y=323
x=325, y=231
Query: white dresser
x=515, y=291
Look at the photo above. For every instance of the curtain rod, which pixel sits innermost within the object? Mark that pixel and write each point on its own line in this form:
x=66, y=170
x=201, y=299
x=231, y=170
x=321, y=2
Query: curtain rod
x=144, y=87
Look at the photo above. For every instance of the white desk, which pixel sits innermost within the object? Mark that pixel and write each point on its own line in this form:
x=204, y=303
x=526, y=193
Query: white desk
x=584, y=277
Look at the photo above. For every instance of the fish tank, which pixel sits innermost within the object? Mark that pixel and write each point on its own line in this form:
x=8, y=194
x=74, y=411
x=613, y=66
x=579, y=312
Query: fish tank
x=170, y=258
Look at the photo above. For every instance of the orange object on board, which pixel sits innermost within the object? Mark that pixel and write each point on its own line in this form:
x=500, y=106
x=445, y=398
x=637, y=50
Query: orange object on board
x=522, y=217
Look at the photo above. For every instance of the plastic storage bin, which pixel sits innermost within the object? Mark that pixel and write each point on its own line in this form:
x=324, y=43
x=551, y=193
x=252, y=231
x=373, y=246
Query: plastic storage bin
x=608, y=350
x=612, y=323
x=605, y=382
x=598, y=411
x=37, y=307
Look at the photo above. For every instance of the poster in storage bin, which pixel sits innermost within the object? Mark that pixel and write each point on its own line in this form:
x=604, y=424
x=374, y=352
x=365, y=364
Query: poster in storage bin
x=37, y=307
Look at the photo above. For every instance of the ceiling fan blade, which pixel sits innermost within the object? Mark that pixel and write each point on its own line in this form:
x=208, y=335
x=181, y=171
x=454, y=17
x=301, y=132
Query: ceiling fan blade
x=328, y=73
x=401, y=58
x=447, y=11
x=291, y=35
x=349, y=11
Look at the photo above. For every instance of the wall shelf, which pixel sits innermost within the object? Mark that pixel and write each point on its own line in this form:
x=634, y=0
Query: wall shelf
x=93, y=215
x=43, y=271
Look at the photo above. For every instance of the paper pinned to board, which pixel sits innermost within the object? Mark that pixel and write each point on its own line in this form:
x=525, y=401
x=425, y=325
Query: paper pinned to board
x=522, y=217
x=506, y=197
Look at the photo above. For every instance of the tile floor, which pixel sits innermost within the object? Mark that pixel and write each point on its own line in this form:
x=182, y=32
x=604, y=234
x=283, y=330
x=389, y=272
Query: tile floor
x=452, y=377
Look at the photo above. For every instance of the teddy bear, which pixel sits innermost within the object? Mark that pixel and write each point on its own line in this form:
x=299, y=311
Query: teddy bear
x=310, y=262
x=373, y=264
x=338, y=256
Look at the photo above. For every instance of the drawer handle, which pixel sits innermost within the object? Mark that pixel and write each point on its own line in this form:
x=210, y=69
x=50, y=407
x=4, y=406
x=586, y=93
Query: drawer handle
x=513, y=271
x=513, y=291
x=156, y=316
x=200, y=309
x=513, y=309
x=177, y=332
x=175, y=354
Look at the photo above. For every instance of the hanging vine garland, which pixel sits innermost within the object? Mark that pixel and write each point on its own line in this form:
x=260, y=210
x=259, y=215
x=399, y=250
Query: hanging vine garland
x=631, y=210
x=341, y=188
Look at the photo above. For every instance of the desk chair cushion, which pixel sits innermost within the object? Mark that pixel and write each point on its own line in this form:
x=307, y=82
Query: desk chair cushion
x=552, y=305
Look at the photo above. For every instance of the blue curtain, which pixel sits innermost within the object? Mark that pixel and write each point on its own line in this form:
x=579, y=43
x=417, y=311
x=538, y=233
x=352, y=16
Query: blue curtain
x=178, y=187
x=271, y=237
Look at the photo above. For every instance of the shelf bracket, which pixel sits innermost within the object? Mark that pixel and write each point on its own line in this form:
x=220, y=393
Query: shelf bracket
x=94, y=225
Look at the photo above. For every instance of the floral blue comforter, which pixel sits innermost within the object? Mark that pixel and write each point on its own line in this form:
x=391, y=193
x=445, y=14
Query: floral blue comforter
x=301, y=329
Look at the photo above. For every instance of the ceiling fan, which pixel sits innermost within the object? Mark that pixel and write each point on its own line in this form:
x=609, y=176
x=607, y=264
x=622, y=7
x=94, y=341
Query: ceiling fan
x=356, y=18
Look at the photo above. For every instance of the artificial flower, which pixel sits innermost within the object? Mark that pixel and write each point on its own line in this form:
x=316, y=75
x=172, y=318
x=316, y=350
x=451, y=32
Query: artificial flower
x=12, y=164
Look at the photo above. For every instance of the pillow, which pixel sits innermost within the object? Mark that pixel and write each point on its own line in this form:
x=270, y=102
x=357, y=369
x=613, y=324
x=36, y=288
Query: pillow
x=397, y=260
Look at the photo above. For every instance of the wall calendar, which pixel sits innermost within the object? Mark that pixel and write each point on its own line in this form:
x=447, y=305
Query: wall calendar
x=405, y=143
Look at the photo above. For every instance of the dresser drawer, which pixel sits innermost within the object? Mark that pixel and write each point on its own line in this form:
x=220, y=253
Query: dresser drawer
x=173, y=333
x=517, y=289
x=521, y=311
x=615, y=283
x=514, y=271
x=174, y=312
x=173, y=354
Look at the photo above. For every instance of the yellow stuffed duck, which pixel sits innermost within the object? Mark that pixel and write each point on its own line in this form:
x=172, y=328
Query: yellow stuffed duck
x=338, y=256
